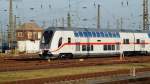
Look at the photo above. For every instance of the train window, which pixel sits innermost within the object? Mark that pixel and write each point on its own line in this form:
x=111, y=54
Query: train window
x=110, y=34
x=113, y=47
x=149, y=35
x=88, y=48
x=85, y=34
x=117, y=34
x=102, y=34
x=138, y=41
x=114, y=34
x=83, y=47
x=94, y=34
x=143, y=43
x=80, y=34
x=77, y=46
x=117, y=46
x=105, y=47
x=92, y=47
x=109, y=47
x=47, y=36
x=125, y=41
x=60, y=42
x=89, y=34
x=69, y=40
x=98, y=34
x=76, y=34
x=106, y=34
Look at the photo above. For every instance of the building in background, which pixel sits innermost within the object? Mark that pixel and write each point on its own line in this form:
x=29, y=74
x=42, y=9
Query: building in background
x=28, y=37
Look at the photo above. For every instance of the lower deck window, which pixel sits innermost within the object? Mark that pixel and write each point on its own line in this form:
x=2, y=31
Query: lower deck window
x=117, y=47
x=91, y=47
x=113, y=47
x=105, y=47
x=83, y=47
x=108, y=47
x=87, y=48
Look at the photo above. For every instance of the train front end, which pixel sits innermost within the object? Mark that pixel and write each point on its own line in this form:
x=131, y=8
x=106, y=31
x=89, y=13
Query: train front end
x=45, y=45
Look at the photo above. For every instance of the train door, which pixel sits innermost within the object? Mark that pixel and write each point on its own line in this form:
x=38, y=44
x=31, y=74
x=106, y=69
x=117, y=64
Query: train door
x=142, y=45
x=118, y=47
x=88, y=47
x=77, y=47
x=70, y=48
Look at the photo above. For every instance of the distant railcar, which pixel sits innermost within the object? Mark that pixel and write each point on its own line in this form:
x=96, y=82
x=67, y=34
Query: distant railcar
x=86, y=42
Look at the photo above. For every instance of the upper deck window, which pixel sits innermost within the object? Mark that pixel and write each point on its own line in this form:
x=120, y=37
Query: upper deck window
x=98, y=34
x=85, y=34
x=110, y=34
x=117, y=34
x=114, y=34
x=138, y=41
x=89, y=34
x=94, y=34
x=69, y=40
x=106, y=34
x=102, y=34
x=76, y=34
x=149, y=35
x=80, y=34
x=126, y=41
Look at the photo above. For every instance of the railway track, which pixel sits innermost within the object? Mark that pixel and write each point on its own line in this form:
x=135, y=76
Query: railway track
x=86, y=78
x=32, y=63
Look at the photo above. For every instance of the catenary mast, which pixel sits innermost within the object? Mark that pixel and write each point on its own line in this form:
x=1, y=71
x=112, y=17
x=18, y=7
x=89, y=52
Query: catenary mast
x=145, y=15
x=10, y=26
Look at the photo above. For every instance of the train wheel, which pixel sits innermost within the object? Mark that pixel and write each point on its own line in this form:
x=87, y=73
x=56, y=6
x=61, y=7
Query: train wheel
x=66, y=55
x=47, y=57
x=70, y=56
x=61, y=56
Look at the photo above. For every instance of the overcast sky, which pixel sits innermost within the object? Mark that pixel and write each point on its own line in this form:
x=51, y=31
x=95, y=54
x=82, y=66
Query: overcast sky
x=83, y=12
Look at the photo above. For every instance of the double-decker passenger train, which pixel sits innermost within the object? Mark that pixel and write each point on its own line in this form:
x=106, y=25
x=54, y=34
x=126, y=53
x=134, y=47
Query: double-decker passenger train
x=85, y=42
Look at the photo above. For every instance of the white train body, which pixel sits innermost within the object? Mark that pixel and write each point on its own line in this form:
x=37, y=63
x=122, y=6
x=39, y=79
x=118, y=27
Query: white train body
x=61, y=42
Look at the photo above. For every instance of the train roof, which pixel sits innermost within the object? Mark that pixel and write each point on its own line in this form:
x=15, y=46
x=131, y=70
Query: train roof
x=94, y=29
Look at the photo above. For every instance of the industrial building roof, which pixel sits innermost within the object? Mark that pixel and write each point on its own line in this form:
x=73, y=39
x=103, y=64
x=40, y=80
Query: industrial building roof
x=29, y=26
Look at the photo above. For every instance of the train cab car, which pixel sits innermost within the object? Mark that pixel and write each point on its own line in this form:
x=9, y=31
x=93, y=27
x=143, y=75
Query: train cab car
x=86, y=42
x=78, y=42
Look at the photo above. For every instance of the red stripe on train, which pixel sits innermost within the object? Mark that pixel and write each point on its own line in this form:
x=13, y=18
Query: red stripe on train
x=93, y=43
x=104, y=43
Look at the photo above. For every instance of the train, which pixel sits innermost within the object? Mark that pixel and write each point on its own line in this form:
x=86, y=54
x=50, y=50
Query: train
x=64, y=42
